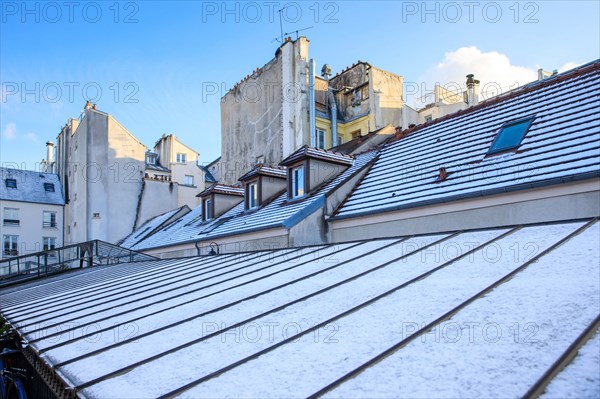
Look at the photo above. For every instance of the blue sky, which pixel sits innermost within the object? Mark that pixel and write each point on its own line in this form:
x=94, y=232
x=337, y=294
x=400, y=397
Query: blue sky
x=161, y=67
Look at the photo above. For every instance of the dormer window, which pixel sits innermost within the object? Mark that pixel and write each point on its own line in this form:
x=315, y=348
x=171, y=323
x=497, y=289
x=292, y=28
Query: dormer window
x=11, y=183
x=218, y=199
x=208, y=209
x=262, y=184
x=252, y=195
x=510, y=135
x=297, y=182
x=49, y=187
x=310, y=168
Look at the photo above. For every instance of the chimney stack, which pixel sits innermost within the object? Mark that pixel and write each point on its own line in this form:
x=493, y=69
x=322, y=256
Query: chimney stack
x=472, y=90
x=88, y=105
x=49, y=157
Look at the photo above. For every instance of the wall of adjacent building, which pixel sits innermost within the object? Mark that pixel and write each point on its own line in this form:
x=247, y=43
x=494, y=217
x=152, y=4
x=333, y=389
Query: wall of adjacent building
x=265, y=117
x=30, y=230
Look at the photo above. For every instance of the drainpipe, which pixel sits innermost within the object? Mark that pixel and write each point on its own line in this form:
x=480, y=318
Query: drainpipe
x=311, y=100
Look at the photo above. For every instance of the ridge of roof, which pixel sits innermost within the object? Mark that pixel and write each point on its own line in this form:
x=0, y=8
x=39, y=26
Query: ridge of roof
x=529, y=87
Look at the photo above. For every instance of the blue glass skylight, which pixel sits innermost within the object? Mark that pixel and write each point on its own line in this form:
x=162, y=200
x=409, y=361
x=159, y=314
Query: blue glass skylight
x=510, y=135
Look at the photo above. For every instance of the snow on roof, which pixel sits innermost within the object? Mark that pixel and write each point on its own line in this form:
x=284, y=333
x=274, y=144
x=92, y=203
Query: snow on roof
x=265, y=171
x=562, y=144
x=149, y=227
x=277, y=213
x=222, y=189
x=316, y=153
x=493, y=309
x=31, y=186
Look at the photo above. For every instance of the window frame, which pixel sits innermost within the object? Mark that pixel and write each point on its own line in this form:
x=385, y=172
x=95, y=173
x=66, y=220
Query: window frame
x=252, y=202
x=11, y=183
x=50, y=224
x=48, y=243
x=321, y=134
x=14, y=219
x=528, y=121
x=181, y=157
x=294, y=189
x=191, y=180
x=208, y=209
x=13, y=245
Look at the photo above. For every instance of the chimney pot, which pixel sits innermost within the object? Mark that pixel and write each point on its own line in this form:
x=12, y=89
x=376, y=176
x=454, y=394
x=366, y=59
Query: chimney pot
x=88, y=105
x=94, y=106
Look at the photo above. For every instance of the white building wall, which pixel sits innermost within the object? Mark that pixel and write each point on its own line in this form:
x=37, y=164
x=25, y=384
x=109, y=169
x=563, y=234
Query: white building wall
x=30, y=230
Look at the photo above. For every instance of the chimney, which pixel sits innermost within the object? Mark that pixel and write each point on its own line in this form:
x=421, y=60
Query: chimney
x=49, y=157
x=543, y=74
x=94, y=106
x=88, y=105
x=472, y=90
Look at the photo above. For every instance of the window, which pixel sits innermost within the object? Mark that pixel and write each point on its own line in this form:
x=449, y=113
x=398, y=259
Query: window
x=208, y=213
x=96, y=215
x=49, y=219
x=11, y=245
x=320, y=139
x=340, y=140
x=252, y=196
x=510, y=135
x=11, y=183
x=189, y=180
x=355, y=134
x=49, y=187
x=428, y=118
x=11, y=217
x=298, y=182
x=49, y=243
x=181, y=157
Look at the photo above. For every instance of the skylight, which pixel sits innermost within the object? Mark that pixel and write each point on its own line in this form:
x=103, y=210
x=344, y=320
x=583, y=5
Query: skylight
x=49, y=187
x=510, y=135
x=11, y=183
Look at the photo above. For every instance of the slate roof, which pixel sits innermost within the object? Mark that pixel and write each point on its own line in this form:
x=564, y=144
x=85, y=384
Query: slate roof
x=278, y=213
x=563, y=144
x=159, y=168
x=373, y=318
x=30, y=187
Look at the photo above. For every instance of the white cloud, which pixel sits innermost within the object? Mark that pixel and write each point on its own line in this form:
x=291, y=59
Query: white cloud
x=567, y=66
x=493, y=69
x=10, y=131
x=33, y=138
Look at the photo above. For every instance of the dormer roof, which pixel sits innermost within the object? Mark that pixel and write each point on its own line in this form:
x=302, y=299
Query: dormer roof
x=272, y=171
x=316, y=153
x=222, y=189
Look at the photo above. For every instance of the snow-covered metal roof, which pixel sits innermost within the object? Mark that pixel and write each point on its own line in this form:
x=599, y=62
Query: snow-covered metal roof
x=278, y=213
x=31, y=186
x=151, y=225
x=483, y=313
x=562, y=144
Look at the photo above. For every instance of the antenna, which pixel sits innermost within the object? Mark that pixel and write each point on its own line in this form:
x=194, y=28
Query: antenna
x=281, y=38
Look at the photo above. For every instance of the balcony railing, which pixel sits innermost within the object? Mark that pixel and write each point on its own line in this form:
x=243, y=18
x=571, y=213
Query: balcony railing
x=11, y=222
x=85, y=254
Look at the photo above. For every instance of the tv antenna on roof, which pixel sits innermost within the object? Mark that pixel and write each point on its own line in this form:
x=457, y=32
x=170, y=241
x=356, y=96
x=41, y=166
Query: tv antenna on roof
x=283, y=35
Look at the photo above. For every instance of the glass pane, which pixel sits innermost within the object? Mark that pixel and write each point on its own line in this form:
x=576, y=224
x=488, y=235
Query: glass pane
x=510, y=136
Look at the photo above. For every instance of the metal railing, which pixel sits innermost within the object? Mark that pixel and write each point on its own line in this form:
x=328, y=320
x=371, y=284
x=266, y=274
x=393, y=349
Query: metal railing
x=85, y=254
